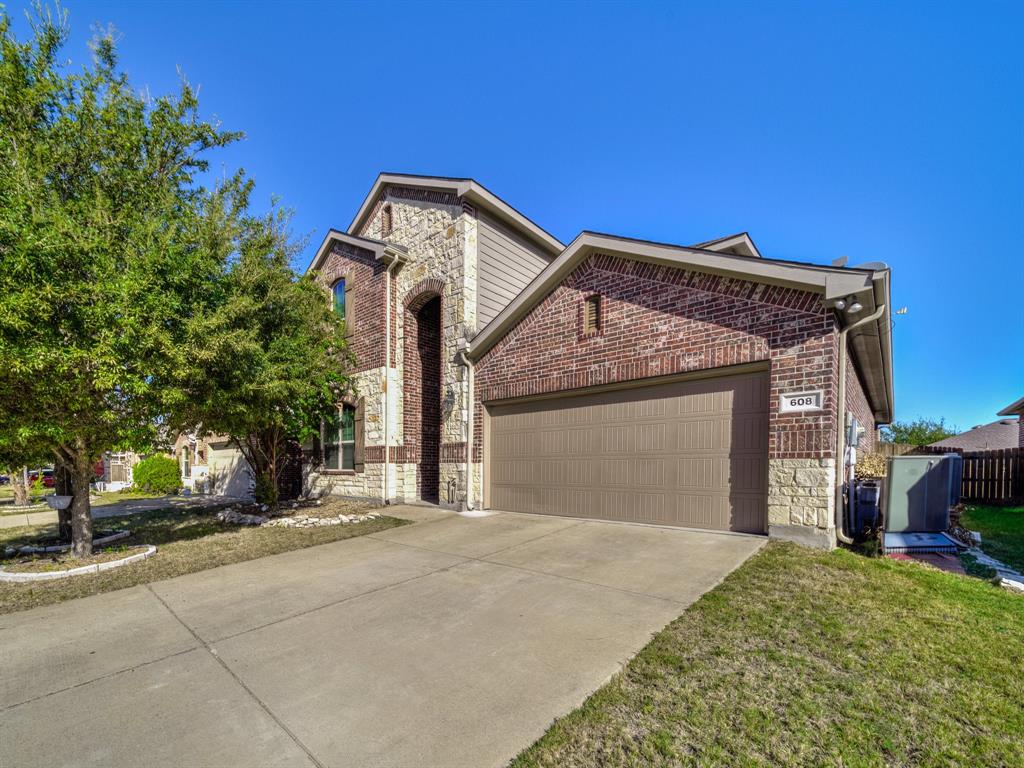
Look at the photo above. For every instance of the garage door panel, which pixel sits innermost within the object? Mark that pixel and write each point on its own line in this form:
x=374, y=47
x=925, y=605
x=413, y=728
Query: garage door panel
x=690, y=454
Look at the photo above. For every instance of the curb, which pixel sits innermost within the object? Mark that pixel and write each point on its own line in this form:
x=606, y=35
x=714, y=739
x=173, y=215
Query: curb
x=97, y=568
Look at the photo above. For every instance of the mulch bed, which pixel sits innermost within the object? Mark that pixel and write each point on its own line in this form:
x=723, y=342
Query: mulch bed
x=64, y=562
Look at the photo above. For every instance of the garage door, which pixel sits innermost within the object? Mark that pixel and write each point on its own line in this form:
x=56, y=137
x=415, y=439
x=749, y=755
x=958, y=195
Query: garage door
x=691, y=453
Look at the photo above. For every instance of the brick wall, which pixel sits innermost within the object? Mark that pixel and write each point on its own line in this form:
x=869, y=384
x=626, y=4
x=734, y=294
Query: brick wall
x=365, y=278
x=422, y=407
x=659, y=320
x=857, y=403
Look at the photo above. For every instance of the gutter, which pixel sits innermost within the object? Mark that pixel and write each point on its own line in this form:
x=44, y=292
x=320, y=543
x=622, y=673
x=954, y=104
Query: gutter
x=396, y=260
x=464, y=360
x=841, y=423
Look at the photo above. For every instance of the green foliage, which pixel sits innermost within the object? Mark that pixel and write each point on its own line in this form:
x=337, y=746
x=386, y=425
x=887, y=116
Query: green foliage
x=108, y=243
x=37, y=486
x=157, y=474
x=918, y=432
x=267, y=362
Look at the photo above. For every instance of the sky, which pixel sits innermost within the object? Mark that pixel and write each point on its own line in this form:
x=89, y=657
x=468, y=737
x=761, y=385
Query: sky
x=877, y=131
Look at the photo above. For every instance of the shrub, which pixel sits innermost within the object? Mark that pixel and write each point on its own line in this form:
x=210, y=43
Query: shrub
x=157, y=474
x=871, y=465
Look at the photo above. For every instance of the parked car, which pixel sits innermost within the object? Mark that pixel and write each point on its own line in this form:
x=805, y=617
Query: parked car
x=4, y=480
x=48, y=480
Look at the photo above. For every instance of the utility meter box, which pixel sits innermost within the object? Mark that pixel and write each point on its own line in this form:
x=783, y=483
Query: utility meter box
x=919, y=492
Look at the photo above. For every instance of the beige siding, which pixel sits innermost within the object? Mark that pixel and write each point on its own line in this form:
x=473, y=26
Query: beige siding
x=690, y=453
x=507, y=263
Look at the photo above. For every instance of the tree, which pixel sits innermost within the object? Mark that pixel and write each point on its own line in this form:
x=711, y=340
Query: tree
x=267, y=363
x=108, y=243
x=921, y=431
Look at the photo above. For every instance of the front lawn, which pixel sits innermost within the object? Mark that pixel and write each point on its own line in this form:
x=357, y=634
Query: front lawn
x=188, y=540
x=1002, y=532
x=810, y=658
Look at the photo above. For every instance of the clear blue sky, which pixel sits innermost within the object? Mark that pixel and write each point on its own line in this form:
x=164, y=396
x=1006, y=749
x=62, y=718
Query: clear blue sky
x=882, y=132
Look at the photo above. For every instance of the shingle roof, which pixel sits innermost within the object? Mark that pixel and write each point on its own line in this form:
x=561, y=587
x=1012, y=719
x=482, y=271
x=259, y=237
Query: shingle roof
x=985, y=437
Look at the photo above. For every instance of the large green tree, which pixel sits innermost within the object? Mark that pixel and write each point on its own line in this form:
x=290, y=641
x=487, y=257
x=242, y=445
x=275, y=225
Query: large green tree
x=267, y=363
x=109, y=242
x=917, y=432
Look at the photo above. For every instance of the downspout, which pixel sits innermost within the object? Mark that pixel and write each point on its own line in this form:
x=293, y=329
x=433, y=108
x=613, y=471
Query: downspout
x=387, y=377
x=471, y=406
x=841, y=418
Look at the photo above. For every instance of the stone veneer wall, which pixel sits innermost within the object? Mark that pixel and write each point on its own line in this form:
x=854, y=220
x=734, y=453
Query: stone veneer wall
x=660, y=320
x=857, y=403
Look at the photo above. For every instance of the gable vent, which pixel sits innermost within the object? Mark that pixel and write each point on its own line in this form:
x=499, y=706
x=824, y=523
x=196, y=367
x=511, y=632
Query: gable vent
x=591, y=315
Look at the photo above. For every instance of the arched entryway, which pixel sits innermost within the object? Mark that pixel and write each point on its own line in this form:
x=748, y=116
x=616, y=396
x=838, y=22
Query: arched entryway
x=422, y=380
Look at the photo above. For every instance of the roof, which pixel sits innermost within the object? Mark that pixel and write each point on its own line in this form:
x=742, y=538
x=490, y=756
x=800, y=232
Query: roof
x=1013, y=409
x=381, y=251
x=467, y=189
x=1004, y=433
x=741, y=244
x=870, y=344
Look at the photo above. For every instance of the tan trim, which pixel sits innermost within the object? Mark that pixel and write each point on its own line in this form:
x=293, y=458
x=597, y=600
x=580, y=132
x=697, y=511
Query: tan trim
x=651, y=381
x=466, y=189
x=1013, y=409
x=383, y=252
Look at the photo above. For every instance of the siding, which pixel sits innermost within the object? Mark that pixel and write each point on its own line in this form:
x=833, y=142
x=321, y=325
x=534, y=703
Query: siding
x=506, y=264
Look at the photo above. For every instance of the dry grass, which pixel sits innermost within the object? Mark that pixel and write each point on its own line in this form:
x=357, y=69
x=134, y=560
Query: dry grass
x=188, y=541
x=813, y=658
x=62, y=561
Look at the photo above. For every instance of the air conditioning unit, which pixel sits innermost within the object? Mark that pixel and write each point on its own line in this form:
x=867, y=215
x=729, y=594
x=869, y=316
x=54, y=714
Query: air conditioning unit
x=920, y=490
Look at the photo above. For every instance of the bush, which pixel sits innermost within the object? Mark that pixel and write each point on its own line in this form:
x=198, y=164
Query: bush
x=157, y=474
x=871, y=465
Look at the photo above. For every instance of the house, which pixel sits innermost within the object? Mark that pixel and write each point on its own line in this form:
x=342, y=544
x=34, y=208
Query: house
x=704, y=386
x=1005, y=433
x=1016, y=409
x=211, y=465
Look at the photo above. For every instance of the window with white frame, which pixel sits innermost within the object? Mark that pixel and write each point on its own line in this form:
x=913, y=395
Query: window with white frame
x=339, y=439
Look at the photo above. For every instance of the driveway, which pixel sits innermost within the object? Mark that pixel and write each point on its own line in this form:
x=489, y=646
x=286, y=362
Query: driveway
x=451, y=642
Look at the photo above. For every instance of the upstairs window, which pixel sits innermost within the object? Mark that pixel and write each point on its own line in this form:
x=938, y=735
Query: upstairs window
x=385, y=220
x=344, y=303
x=339, y=298
x=340, y=439
x=591, y=315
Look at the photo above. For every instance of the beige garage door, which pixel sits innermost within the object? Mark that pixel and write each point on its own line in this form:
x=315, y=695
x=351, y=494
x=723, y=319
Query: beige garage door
x=691, y=453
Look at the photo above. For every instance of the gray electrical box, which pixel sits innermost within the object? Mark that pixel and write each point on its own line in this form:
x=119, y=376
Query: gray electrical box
x=919, y=492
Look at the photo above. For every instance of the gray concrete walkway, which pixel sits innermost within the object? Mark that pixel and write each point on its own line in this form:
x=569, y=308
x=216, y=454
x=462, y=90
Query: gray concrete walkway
x=452, y=642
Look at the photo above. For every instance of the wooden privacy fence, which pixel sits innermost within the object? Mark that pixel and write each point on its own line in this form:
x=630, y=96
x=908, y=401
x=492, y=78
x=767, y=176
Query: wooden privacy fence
x=990, y=477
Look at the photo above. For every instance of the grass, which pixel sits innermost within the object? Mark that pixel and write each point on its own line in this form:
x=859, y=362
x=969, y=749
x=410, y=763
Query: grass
x=62, y=561
x=1002, y=532
x=811, y=658
x=113, y=497
x=188, y=541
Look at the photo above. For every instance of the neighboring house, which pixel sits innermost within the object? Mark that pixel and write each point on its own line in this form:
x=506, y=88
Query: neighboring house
x=1005, y=433
x=211, y=465
x=701, y=386
x=114, y=470
x=1016, y=409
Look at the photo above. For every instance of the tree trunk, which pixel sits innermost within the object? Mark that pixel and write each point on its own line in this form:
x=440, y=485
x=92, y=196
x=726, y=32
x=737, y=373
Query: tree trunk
x=81, y=513
x=19, y=479
x=63, y=486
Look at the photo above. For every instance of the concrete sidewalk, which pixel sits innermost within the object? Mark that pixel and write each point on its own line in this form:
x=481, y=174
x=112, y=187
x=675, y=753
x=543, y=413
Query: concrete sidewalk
x=452, y=642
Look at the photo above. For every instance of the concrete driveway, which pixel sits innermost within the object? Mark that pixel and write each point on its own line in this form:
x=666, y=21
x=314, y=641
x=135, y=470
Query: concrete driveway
x=451, y=642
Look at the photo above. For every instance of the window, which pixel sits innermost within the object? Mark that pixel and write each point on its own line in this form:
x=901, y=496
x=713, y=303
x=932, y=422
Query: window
x=186, y=471
x=344, y=303
x=385, y=220
x=339, y=298
x=340, y=439
x=591, y=315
